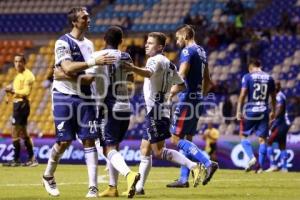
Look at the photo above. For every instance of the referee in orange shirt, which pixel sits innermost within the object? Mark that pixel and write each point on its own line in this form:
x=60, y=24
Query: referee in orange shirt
x=20, y=89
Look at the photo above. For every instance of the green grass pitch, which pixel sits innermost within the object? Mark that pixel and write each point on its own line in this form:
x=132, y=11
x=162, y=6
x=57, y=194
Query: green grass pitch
x=25, y=184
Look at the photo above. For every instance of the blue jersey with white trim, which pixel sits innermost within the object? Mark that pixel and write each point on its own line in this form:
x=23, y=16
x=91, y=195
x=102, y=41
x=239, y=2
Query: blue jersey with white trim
x=259, y=86
x=195, y=56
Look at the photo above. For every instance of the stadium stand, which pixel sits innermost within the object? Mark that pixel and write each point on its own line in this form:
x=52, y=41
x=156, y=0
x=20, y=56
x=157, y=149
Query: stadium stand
x=228, y=48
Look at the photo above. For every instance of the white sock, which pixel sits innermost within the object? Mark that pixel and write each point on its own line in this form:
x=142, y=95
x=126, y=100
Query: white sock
x=144, y=169
x=52, y=161
x=176, y=157
x=116, y=159
x=91, y=159
x=113, y=175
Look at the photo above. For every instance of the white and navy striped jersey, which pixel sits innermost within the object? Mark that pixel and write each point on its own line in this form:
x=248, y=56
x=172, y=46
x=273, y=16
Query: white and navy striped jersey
x=158, y=86
x=111, y=85
x=69, y=48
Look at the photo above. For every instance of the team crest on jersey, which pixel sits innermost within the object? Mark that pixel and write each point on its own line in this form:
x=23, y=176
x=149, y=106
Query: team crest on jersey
x=185, y=52
x=60, y=126
x=62, y=51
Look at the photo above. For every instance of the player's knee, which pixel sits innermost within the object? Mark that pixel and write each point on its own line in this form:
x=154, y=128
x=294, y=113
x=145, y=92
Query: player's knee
x=174, y=139
x=158, y=153
x=88, y=143
x=145, y=151
x=62, y=146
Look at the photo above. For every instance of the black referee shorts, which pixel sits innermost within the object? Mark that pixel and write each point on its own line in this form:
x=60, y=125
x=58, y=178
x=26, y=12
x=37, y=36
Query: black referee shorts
x=21, y=111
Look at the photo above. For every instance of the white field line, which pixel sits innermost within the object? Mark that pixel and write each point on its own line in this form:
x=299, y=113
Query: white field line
x=103, y=179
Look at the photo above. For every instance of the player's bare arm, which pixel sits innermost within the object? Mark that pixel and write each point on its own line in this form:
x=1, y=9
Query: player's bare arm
x=70, y=67
x=273, y=106
x=175, y=90
x=206, y=82
x=240, y=103
x=140, y=71
x=85, y=79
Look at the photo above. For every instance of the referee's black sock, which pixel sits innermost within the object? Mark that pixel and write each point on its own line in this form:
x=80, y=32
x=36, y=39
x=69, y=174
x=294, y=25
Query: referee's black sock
x=29, y=147
x=17, y=149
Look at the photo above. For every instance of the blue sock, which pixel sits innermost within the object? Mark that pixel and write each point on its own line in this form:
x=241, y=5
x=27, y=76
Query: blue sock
x=283, y=158
x=262, y=154
x=270, y=155
x=193, y=152
x=248, y=148
x=184, y=171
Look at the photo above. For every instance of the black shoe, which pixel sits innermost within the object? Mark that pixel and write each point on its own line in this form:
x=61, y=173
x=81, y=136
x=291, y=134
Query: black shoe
x=210, y=172
x=12, y=163
x=178, y=184
x=142, y=192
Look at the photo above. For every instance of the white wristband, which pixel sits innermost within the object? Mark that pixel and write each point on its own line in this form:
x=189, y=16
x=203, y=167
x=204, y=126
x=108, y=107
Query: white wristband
x=91, y=62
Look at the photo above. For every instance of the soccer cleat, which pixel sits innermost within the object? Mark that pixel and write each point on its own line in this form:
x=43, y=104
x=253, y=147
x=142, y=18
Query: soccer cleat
x=259, y=171
x=12, y=163
x=251, y=163
x=92, y=193
x=273, y=168
x=50, y=186
x=178, y=184
x=210, y=172
x=31, y=163
x=142, y=192
x=111, y=191
x=132, y=179
x=196, y=174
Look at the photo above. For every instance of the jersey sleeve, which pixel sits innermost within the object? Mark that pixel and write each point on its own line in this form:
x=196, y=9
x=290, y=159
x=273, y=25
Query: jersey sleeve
x=280, y=99
x=62, y=52
x=152, y=65
x=185, y=56
x=245, y=82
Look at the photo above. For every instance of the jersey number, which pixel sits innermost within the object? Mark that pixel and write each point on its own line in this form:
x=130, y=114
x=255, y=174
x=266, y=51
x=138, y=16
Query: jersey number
x=260, y=91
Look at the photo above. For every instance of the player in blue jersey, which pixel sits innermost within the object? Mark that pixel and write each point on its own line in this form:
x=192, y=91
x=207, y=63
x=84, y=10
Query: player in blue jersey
x=73, y=109
x=257, y=86
x=117, y=112
x=279, y=129
x=194, y=70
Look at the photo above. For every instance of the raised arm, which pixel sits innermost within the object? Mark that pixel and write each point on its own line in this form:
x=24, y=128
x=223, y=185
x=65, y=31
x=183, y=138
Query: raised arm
x=144, y=72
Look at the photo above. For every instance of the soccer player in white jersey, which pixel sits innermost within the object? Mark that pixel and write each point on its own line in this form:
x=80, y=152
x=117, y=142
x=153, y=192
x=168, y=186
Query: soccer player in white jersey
x=117, y=111
x=160, y=74
x=71, y=114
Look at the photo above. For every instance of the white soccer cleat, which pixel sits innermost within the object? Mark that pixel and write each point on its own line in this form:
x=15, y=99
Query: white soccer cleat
x=251, y=163
x=50, y=186
x=273, y=168
x=92, y=193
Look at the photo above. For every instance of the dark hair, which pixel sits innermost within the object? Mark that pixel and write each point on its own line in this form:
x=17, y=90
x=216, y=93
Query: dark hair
x=188, y=30
x=22, y=56
x=72, y=14
x=160, y=37
x=113, y=36
x=255, y=62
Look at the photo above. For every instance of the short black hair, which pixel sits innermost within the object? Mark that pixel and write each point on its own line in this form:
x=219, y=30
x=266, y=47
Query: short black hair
x=20, y=55
x=72, y=14
x=255, y=62
x=188, y=30
x=160, y=37
x=113, y=36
